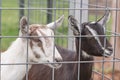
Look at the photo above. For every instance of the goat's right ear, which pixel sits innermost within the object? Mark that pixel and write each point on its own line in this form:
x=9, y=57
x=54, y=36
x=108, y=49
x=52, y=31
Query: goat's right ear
x=56, y=23
x=75, y=26
x=103, y=20
x=24, y=25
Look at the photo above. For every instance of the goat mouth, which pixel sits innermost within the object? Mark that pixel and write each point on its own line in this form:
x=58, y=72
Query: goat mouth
x=107, y=53
x=55, y=65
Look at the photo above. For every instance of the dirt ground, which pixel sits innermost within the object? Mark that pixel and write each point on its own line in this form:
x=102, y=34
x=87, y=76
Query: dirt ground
x=109, y=72
x=110, y=76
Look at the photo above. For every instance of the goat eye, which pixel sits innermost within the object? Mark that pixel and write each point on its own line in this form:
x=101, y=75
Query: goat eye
x=90, y=37
x=35, y=39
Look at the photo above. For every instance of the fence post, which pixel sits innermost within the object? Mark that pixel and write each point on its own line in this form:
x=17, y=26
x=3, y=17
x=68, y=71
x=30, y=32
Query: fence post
x=80, y=15
x=0, y=33
x=21, y=5
x=49, y=11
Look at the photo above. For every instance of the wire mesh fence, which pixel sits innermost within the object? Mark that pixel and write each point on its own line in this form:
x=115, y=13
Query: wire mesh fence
x=44, y=12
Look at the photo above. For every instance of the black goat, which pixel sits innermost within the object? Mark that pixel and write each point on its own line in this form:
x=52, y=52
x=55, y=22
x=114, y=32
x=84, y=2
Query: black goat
x=91, y=43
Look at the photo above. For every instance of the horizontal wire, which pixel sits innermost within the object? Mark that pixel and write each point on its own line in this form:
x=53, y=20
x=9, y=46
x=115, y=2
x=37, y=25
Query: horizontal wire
x=65, y=62
x=116, y=9
x=74, y=2
x=59, y=36
x=92, y=5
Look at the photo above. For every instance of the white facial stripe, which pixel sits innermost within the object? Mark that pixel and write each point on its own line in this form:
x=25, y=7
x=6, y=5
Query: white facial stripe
x=106, y=51
x=93, y=22
x=85, y=54
x=94, y=33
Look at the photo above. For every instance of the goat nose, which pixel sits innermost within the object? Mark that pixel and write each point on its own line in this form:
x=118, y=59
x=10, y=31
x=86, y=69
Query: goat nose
x=110, y=49
x=58, y=60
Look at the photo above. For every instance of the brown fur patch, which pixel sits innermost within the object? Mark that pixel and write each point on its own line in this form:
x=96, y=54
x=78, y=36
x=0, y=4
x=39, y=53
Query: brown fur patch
x=31, y=44
x=40, y=45
x=47, y=40
x=37, y=55
x=35, y=37
x=34, y=33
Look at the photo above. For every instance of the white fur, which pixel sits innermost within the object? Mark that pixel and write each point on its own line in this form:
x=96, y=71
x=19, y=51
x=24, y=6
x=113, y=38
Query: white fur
x=92, y=22
x=85, y=54
x=57, y=23
x=17, y=52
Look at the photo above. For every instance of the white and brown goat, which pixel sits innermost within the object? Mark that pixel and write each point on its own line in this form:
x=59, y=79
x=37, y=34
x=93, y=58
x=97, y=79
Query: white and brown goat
x=33, y=45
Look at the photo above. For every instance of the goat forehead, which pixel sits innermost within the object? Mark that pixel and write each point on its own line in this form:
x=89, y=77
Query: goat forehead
x=98, y=28
x=37, y=25
x=91, y=30
x=43, y=34
x=42, y=29
x=95, y=34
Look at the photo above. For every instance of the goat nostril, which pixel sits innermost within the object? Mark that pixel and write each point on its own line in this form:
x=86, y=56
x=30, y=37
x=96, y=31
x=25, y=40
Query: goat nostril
x=58, y=60
x=48, y=61
x=110, y=49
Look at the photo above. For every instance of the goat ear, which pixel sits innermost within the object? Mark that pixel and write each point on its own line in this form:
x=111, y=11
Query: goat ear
x=74, y=25
x=23, y=25
x=103, y=20
x=56, y=24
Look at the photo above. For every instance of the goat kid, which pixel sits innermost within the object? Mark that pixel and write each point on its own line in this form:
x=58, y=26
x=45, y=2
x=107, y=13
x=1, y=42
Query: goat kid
x=91, y=42
x=39, y=49
x=69, y=71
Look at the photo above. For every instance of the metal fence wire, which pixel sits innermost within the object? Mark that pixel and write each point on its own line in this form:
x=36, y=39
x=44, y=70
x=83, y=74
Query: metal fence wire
x=46, y=11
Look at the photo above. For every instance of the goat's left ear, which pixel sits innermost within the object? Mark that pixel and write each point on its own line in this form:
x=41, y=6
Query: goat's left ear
x=24, y=25
x=104, y=19
x=74, y=25
x=56, y=24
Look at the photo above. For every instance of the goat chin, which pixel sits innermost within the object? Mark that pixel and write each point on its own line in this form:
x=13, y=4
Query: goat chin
x=55, y=65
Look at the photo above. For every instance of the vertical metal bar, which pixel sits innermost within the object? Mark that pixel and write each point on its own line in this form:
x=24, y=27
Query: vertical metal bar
x=21, y=11
x=53, y=70
x=96, y=11
x=41, y=13
x=103, y=63
x=71, y=40
x=28, y=12
x=49, y=12
x=63, y=25
x=116, y=22
x=0, y=33
x=79, y=16
x=79, y=13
